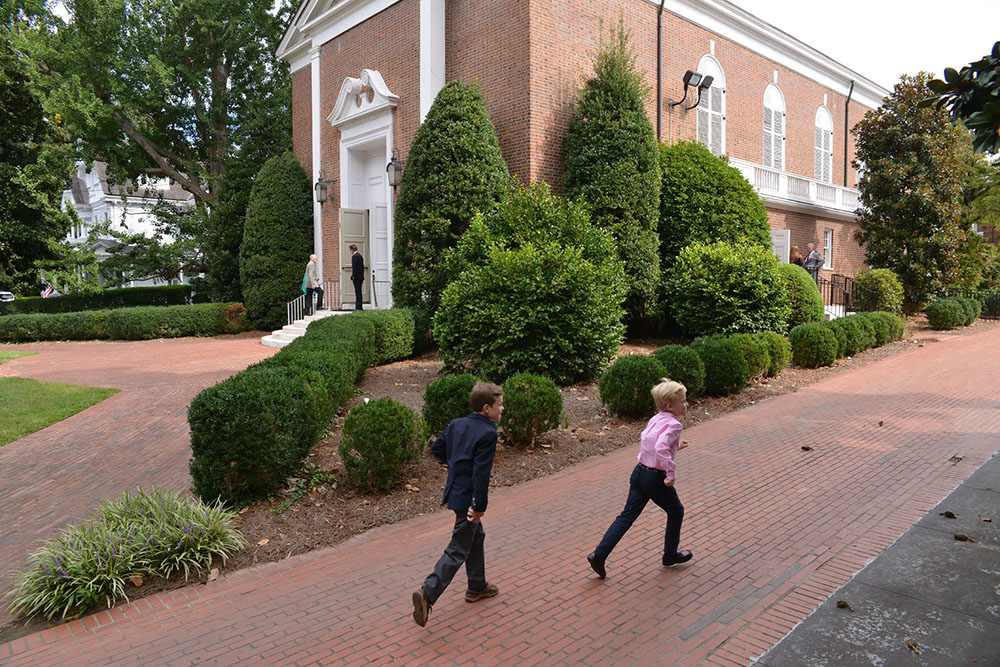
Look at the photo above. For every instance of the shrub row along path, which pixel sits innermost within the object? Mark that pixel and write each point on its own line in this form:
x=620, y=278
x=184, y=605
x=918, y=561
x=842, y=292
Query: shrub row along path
x=137, y=438
x=775, y=530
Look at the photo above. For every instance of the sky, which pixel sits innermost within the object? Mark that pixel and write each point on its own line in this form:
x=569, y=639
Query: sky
x=883, y=39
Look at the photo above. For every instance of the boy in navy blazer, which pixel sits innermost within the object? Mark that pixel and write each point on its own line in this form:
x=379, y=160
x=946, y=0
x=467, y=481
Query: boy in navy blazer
x=468, y=446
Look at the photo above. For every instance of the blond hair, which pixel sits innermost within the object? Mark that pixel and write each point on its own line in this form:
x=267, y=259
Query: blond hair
x=667, y=392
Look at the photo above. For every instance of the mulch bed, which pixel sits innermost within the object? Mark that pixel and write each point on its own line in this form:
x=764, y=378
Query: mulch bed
x=328, y=515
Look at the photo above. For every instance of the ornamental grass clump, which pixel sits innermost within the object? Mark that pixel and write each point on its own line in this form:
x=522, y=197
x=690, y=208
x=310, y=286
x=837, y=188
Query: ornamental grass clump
x=157, y=533
x=532, y=406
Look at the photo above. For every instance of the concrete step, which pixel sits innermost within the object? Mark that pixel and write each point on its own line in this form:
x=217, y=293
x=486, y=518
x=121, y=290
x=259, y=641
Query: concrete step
x=271, y=341
x=290, y=332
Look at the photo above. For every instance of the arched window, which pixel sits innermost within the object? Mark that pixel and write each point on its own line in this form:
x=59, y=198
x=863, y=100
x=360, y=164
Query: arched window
x=712, y=107
x=774, y=128
x=823, y=152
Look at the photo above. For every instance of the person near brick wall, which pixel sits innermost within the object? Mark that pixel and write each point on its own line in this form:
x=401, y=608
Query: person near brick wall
x=813, y=261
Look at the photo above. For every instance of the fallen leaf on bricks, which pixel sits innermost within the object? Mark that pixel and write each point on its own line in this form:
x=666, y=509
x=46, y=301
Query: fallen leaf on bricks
x=263, y=542
x=985, y=518
x=962, y=537
x=948, y=514
x=136, y=579
x=844, y=604
x=806, y=448
x=880, y=423
x=910, y=643
x=213, y=574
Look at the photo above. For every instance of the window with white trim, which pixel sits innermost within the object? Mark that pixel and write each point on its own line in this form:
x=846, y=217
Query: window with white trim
x=823, y=146
x=827, y=248
x=712, y=107
x=774, y=128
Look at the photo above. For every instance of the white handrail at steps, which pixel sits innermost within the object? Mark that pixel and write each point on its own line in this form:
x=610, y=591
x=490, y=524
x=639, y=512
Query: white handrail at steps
x=298, y=321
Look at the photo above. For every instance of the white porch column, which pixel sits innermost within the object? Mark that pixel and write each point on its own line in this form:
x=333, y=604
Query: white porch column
x=317, y=120
x=431, y=53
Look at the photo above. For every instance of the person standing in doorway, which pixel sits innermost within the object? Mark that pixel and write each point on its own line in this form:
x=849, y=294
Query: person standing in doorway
x=357, y=274
x=813, y=261
x=313, y=287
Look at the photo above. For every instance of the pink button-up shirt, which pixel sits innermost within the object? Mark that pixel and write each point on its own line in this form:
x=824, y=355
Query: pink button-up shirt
x=659, y=442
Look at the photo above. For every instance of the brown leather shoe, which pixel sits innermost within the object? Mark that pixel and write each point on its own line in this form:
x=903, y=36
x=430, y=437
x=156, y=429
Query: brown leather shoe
x=476, y=596
x=421, y=608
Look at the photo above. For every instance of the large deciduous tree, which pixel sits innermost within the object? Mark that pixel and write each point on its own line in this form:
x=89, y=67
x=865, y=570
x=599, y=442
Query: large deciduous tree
x=911, y=191
x=612, y=163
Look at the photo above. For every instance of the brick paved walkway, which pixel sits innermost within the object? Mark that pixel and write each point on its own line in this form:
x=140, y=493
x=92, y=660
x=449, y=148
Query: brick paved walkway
x=774, y=530
x=138, y=437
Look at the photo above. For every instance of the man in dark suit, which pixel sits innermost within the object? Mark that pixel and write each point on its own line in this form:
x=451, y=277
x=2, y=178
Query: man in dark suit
x=467, y=445
x=357, y=274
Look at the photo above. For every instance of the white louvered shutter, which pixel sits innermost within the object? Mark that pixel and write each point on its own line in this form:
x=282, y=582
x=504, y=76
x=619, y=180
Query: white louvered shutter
x=768, y=136
x=779, y=140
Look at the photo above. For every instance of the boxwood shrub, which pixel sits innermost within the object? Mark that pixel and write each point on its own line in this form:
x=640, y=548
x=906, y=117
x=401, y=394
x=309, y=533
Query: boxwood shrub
x=532, y=406
x=84, y=325
x=880, y=328
x=757, y=354
x=126, y=297
x=813, y=344
x=868, y=339
x=840, y=331
x=726, y=369
x=971, y=307
x=394, y=333
x=894, y=322
x=804, y=300
x=380, y=438
x=945, y=314
x=881, y=289
x=779, y=351
x=447, y=398
x=624, y=387
x=726, y=288
x=683, y=365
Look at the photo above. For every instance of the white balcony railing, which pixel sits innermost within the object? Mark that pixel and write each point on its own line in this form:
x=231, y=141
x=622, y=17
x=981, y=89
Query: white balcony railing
x=782, y=185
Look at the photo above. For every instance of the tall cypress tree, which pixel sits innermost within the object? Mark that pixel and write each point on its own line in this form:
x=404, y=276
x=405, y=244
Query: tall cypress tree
x=454, y=170
x=612, y=163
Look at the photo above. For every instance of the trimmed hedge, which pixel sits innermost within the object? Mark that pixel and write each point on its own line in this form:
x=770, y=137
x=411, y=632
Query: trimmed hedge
x=250, y=432
x=757, y=353
x=947, y=313
x=851, y=334
x=380, y=438
x=532, y=405
x=804, y=299
x=726, y=369
x=447, y=398
x=880, y=328
x=683, y=365
x=625, y=385
x=813, y=344
x=779, y=351
x=394, y=333
x=126, y=297
x=139, y=323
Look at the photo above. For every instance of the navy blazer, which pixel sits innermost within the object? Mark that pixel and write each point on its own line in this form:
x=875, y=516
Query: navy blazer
x=357, y=266
x=468, y=446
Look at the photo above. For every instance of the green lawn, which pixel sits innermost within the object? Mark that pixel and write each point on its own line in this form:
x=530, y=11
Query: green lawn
x=7, y=355
x=27, y=405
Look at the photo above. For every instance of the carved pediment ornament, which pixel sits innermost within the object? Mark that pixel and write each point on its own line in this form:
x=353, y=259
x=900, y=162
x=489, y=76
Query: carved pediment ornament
x=360, y=97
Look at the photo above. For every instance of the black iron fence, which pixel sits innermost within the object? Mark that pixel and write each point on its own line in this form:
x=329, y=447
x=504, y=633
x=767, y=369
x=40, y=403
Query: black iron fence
x=842, y=296
x=990, y=299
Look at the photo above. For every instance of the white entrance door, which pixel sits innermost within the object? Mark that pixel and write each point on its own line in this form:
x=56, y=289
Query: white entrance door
x=780, y=244
x=380, y=262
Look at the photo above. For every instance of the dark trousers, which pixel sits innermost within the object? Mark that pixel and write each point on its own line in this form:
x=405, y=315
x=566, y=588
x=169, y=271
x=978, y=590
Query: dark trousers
x=646, y=485
x=466, y=546
x=309, y=299
x=357, y=292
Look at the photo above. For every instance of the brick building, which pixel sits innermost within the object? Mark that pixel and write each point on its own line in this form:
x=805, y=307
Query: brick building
x=365, y=72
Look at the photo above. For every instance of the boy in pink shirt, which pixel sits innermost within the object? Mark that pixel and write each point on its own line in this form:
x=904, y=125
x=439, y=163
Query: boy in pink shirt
x=653, y=478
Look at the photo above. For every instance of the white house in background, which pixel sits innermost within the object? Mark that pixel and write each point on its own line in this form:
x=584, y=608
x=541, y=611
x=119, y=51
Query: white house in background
x=97, y=201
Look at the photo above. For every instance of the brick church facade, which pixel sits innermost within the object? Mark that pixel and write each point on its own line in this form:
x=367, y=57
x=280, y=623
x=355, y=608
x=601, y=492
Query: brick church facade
x=365, y=72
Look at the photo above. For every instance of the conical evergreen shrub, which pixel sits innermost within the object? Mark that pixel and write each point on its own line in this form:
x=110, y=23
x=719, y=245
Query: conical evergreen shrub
x=277, y=240
x=454, y=170
x=612, y=163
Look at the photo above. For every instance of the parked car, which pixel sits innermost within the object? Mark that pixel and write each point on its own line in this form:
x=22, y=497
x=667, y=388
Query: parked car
x=6, y=296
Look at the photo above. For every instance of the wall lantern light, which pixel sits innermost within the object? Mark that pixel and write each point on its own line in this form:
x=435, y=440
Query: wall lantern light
x=321, y=189
x=394, y=170
x=701, y=82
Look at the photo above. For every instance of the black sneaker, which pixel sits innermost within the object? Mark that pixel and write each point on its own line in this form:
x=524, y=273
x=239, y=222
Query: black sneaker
x=597, y=565
x=677, y=558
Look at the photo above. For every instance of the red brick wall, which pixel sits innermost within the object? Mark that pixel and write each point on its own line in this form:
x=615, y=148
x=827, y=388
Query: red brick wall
x=390, y=43
x=302, y=117
x=487, y=41
x=847, y=258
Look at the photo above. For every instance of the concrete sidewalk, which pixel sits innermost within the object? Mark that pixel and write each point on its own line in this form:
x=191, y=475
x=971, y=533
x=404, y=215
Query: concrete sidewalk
x=774, y=529
x=929, y=599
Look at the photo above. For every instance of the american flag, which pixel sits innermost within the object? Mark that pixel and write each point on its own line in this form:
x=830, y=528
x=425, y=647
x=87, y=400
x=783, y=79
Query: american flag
x=47, y=292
